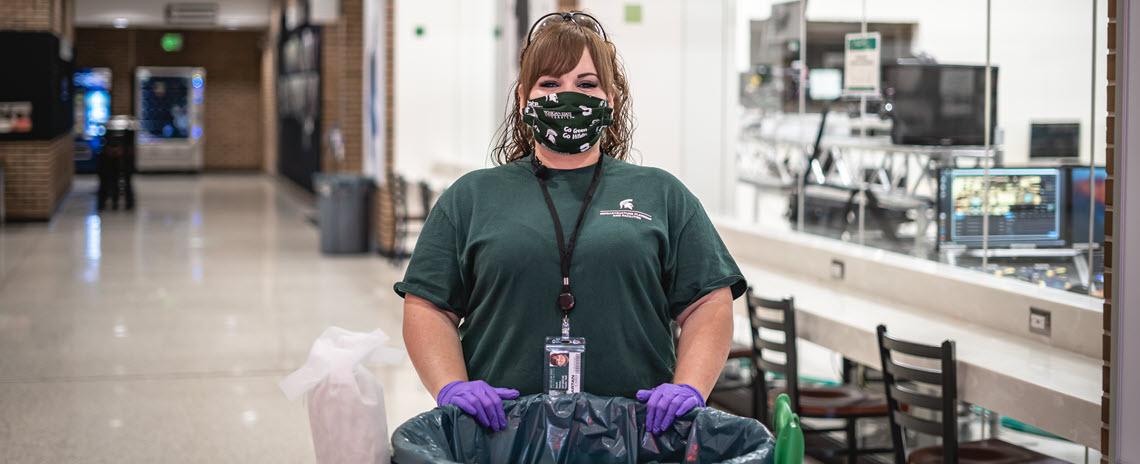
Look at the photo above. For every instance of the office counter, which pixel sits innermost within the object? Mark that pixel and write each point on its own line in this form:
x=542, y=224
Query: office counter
x=1051, y=388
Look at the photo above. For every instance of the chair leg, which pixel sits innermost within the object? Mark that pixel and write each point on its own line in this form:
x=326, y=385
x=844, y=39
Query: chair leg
x=852, y=445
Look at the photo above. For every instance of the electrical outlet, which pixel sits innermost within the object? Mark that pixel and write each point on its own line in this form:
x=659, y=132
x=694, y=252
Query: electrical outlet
x=837, y=270
x=1040, y=321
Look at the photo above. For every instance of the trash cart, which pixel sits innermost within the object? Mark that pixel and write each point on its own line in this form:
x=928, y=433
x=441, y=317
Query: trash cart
x=116, y=164
x=580, y=428
x=344, y=203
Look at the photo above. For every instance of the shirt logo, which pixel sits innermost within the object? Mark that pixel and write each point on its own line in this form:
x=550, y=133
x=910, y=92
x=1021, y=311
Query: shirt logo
x=625, y=210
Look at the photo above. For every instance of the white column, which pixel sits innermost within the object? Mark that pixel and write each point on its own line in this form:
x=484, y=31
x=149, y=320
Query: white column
x=1126, y=237
x=708, y=120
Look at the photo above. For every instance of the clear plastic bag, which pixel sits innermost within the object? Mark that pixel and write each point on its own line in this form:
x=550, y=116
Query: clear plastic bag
x=345, y=402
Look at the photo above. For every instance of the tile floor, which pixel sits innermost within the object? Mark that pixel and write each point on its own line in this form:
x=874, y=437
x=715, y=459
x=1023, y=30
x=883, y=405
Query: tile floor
x=159, y=335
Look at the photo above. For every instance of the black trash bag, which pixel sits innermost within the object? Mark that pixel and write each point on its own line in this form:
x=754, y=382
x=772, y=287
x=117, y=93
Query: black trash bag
x=580, y=428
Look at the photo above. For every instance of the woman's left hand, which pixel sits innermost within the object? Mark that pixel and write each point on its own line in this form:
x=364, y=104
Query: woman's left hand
x=667, y=402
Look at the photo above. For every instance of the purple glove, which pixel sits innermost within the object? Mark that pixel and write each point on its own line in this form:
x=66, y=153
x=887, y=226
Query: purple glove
x=478, y=399
x=667, y=402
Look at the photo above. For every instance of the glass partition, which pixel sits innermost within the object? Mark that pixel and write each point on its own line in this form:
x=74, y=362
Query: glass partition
x=976, y=145
x=1051, y=129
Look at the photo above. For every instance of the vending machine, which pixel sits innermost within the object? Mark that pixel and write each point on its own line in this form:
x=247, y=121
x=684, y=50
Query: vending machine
x=169, y=107
x=92, y=110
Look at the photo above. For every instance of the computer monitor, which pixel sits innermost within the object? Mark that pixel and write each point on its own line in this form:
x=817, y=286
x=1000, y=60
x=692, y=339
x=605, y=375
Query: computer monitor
x=938, y=104
x=1080, y=197
x=825, y=84
x=1054, y=140
x=1025, y=207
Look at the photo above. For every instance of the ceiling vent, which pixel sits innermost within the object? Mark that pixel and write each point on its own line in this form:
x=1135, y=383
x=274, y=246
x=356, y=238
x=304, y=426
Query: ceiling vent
x=192, y=14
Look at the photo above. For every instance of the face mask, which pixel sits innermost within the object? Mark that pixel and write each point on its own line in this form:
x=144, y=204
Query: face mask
x=568, y=122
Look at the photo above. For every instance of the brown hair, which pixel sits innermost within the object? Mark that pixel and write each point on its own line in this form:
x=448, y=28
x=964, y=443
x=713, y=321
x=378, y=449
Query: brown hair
x=556, y=49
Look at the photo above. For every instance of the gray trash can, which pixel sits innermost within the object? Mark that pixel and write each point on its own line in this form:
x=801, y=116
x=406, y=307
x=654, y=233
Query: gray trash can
x=3, y=212
x=344, y=202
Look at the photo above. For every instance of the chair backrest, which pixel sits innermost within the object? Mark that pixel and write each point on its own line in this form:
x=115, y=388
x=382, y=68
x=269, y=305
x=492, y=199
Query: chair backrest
x=758, y=318
x=905, y=400
x=427, y=197
x=399, y=195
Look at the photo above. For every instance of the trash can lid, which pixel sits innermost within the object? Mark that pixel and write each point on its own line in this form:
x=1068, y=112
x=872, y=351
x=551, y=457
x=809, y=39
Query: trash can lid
x=122, y=122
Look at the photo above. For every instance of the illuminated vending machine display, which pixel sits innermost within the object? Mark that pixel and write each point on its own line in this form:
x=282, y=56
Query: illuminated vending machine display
x=169, y=106
x=92, y=110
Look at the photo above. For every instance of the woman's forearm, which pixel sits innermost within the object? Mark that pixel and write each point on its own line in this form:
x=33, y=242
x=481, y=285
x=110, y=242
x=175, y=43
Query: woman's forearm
x=706, y=336
x=432, y=341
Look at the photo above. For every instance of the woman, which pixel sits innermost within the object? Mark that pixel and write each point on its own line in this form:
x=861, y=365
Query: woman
x=562, y=268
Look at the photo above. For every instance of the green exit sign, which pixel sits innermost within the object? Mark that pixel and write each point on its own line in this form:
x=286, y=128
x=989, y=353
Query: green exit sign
x=171, y=42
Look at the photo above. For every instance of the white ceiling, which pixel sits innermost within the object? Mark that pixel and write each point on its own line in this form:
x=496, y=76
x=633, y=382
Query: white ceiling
x=243, y=14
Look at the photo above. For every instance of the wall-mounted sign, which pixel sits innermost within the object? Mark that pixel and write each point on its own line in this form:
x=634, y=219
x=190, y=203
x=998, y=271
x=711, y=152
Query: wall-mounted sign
x=171, y=42
x=633, y=13
x=861, y=64
x=15, y=117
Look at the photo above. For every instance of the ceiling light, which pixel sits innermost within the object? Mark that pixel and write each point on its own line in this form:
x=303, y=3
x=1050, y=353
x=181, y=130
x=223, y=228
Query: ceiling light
x=120, y=23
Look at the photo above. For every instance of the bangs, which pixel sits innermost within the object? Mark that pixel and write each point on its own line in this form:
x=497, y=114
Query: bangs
x=554, y=49
x=557, y=48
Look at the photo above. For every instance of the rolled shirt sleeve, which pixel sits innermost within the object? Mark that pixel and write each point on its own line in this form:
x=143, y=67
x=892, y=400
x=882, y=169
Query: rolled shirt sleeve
x=434, y=271
x=700, y=263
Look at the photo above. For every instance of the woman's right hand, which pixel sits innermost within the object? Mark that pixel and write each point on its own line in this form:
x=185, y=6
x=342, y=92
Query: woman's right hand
x=478, y=399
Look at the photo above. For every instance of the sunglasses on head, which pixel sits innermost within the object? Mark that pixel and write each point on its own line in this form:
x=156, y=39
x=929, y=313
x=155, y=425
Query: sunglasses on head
x=576, y=17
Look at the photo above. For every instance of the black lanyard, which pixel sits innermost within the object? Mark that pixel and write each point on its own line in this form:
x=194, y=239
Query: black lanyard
x=565, y=301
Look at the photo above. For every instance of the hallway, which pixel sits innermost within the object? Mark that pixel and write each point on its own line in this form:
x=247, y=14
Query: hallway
x=159, y=335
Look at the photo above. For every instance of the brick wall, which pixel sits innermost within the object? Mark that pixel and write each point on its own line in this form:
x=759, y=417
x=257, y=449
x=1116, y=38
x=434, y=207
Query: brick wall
x=342, y=95
x=269, y=90
x=234, y=115
x=1110, y=255
x=342, y=105
x=56, y=16
x=37, y=174
x=385, y=210
x=26, y=15
x=109, y=48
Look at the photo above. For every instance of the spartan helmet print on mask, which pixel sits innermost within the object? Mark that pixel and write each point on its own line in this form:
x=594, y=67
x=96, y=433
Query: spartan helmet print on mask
x=567, y=122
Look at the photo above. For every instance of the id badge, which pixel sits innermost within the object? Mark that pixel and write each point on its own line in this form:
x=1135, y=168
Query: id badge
x=563, y=365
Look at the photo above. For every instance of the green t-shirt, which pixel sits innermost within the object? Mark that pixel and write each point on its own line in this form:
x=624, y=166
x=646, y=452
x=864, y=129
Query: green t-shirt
x=646, y=251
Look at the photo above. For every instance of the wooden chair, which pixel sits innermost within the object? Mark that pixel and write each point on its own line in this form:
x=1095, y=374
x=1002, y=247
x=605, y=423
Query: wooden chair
x=427, y=199
x=906, y=399
x=808, y=401
x=405, y=219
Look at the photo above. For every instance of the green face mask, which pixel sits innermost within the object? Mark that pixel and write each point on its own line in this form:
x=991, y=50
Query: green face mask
x=568, y=122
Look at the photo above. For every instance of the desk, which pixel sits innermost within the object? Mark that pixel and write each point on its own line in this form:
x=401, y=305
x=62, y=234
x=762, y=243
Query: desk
x=1056, y=390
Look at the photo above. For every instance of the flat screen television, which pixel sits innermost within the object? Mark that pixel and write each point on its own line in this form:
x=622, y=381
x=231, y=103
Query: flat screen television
x=938, y=104
x=35, y=87
x=1081, y=197
x=1054, y=140
x=1025, y=207
x=825, y=84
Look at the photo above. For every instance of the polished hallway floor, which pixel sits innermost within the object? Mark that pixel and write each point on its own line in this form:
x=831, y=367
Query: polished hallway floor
x=159, y=335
